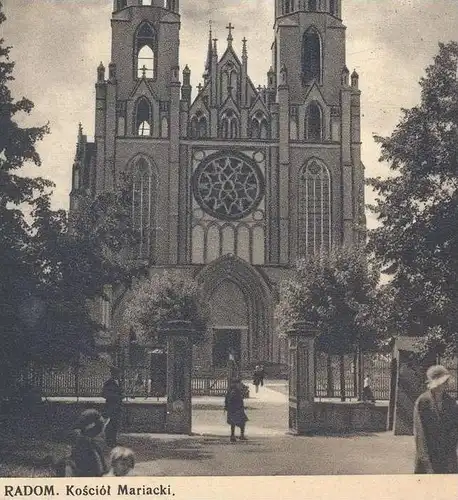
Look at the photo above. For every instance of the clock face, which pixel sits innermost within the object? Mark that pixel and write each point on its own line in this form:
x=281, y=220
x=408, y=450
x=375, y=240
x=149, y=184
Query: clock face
x=228, y=185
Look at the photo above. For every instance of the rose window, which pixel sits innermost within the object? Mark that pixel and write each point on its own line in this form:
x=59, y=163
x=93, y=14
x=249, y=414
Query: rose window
x=228, y=185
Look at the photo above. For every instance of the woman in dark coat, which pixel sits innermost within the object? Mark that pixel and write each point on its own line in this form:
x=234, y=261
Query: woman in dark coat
x=233, y=404
x=87, y=459
x=436, y=426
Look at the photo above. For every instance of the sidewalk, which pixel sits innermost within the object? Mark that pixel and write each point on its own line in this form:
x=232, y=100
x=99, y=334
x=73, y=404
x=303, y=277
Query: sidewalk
x=269, y=449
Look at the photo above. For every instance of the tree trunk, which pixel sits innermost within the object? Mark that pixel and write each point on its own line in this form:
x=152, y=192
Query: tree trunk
x=355, y=373
x=360, y=373
x=342, y=377
x=329, y=377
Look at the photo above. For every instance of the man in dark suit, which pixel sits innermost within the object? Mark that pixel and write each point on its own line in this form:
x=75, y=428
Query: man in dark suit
x=436, y=426
x=113, y=407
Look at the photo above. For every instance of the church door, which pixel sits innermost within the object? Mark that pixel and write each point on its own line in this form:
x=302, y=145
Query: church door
x=226, y=342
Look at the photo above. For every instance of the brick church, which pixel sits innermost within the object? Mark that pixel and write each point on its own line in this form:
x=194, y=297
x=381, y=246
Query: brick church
x=231, y=182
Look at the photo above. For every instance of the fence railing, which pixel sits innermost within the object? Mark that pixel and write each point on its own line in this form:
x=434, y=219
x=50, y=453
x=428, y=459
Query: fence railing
x=341, y=376
x=83, y=382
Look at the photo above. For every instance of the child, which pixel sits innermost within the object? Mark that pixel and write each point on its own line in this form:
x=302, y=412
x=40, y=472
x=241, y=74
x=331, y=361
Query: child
x=122, y=461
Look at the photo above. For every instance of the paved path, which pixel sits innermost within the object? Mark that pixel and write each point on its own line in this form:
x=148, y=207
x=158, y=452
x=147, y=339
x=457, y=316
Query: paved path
x=269, y=450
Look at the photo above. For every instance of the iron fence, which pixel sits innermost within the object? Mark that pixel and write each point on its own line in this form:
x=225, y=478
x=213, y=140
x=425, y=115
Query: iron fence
x=87, y=381
x=342, y=376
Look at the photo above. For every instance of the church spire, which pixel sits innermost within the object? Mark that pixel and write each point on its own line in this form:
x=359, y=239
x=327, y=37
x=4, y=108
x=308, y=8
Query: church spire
x=208, y=62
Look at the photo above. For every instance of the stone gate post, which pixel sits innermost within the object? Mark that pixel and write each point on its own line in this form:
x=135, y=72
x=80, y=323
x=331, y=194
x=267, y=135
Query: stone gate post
x=179, y=336
x=301, y=347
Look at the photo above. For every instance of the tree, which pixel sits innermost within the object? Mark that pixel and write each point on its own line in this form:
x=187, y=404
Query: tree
x=417, y=207
x=73, y=265
x=164, y=298
x=336, y=293
x=51, y=271
x=17, y=147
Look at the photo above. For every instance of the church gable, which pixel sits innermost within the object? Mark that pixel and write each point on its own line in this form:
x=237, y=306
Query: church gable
x=201, y=100
x=230, y=105
x=142, y=87
x=314, y=117
x=258, y=106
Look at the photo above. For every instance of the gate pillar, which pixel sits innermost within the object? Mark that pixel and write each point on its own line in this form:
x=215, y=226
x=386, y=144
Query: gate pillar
x=179, y=336
x=301, y=346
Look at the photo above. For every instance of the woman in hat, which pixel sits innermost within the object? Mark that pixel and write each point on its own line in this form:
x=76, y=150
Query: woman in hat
x=86, y=456
x=436, y=426
x=233, y=404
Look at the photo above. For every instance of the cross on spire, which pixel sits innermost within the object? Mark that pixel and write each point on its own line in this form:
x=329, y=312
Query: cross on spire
x=230, y=28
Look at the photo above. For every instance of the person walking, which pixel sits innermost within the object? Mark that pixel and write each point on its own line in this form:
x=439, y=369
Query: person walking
x=113, y=407
x=435, y=420
x=86, y=458
x=257, y=377
x=233, y=404
x=262, y=374
x=368, y=395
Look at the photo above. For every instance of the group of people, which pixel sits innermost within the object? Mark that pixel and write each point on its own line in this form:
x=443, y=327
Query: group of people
x=435, y=428
x=87, y=458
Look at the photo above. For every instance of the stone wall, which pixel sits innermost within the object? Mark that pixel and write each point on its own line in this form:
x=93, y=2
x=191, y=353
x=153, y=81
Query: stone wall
x=138, y=416
x=349, y=417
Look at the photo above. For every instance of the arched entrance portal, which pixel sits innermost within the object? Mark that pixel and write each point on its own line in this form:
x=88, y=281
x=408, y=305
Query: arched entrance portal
x=241, y=314
x=229, y=323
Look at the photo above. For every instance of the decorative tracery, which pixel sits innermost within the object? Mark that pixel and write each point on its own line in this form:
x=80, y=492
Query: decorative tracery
x=228, y=185
x=144, y=194
x=314, y=211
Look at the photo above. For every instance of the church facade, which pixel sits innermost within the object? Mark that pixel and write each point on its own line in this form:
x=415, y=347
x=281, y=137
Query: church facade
x=231, y=183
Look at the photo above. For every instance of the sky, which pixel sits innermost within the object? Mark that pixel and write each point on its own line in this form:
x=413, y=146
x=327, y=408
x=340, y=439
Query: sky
x=58, y=44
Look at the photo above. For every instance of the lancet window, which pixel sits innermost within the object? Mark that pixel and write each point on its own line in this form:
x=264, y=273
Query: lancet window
x=198, y=127
x=314, y=210
x=145, y=43
x=143, y=117
x=311, y=57
x=259, y=127
x=314, y=123
x=229, y=126
x=144, y=195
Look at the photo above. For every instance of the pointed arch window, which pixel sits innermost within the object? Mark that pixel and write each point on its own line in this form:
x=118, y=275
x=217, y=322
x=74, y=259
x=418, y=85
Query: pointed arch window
x=333, y=7
x=144, y=194
x=147, y=2
x=311, y=57
x=146, y=49
x=198, y=126
x=259, y=127
x=314, y=209
x=229, y=128
x=313, y=5
x=143, y=118
x=314, y=123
